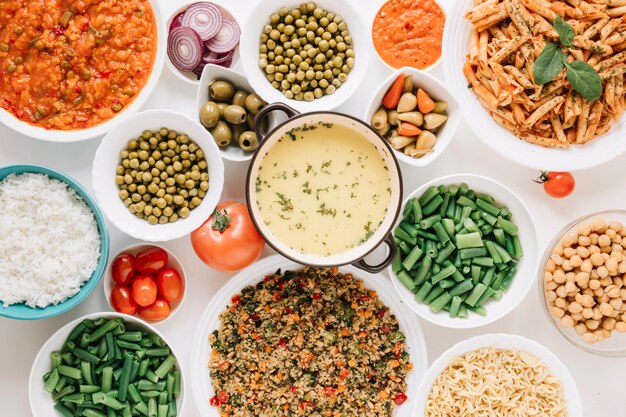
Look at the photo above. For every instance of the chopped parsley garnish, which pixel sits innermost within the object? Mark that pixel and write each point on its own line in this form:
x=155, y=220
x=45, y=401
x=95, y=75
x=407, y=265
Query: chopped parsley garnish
x=325, y=211
x=284, y=202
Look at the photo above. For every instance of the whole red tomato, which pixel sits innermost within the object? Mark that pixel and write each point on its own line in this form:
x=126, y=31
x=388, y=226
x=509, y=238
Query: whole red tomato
x=159, y=310
x=144, y=290
x=151, y=261
x=557, y=184
x=228, y=240
x=123, y=269
x=122, y=301
x=170, y=285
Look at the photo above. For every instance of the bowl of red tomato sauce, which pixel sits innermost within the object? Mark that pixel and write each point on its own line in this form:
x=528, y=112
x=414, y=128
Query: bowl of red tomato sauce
x=409, y=33
x=146, y=281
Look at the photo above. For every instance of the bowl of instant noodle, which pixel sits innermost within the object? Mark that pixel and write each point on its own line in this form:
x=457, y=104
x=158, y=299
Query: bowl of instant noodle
x=605, y=145
x=498, y=374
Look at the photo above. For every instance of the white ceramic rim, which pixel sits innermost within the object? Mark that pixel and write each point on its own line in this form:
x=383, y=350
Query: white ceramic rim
x=212, y=73
x=502, y=341
x=447, y=132
x=379, y=4
x=103, y=175
x=202, y=387
x=173, y=262
x=395, y=177
x=500, y=140
x=251, y=31
x=190, y=77
x=508, y=301
x=69, y=136
x=36, y=394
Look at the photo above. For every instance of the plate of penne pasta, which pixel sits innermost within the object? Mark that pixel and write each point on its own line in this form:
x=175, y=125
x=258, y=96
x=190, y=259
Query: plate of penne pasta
x=541, y=81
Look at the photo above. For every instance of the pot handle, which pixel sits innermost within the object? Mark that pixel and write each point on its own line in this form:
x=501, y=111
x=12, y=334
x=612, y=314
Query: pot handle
x=373, y=269
x=265, y=111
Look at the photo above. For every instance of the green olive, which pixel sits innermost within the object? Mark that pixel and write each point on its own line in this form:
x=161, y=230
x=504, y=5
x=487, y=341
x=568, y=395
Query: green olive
x=235, y=114
x=254, y=103
x=222, y=134
x=239, y=99
x=209, y=114
x=248, y=141
x=222, y=107
x=221, y=91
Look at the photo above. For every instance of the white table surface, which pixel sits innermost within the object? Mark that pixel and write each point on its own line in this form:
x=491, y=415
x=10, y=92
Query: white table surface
x=600, y=380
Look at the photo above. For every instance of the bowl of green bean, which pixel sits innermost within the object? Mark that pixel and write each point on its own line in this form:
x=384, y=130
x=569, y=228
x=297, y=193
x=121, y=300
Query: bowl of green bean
x=104, y=365
x=467, y=251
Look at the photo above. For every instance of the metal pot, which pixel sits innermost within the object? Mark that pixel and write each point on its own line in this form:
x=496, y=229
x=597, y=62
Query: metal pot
x=356, y=255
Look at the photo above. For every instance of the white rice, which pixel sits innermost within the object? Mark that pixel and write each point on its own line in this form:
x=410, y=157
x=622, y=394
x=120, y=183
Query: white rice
x=49, y=241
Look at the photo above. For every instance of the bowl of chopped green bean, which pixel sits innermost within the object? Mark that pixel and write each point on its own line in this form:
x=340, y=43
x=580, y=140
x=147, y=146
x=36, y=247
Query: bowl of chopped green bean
x=105, y=365
x=467, y=251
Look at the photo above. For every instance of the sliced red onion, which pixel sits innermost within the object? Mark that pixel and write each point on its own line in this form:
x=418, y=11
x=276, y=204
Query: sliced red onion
x=227, y=38
x=176, y=21
x=185, y=48
x=205, y=18
x=218, y=59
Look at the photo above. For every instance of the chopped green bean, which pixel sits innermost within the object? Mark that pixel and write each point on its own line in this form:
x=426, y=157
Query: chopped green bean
x=51, y=381
x=455, y=306
x=411, y=258
x=477, y=291
x=406, y=280
x=441, y=301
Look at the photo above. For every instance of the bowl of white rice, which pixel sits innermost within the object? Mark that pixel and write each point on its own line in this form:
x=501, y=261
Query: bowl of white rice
x=54, y=243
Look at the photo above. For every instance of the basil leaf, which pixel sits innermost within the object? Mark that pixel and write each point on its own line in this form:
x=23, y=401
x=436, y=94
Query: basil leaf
x=584, y=79
x=548, y=64
x=565, y=31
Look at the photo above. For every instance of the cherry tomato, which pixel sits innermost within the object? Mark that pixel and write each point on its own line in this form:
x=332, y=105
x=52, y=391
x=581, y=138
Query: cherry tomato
x=228, y=240
x=214, y=401
x=170, y=285
x=144, y=290
x=159, y=310
x=400, y=398
x=123, y=269
x=557, y=184
x=222, y=396
x=122, y=301
x=151, y=261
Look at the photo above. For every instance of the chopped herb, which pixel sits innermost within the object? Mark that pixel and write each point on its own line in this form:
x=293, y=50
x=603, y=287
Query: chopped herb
x=318, y=191
x=295, y=173
x=305, y=188
x=325, y=211
x=284, y=202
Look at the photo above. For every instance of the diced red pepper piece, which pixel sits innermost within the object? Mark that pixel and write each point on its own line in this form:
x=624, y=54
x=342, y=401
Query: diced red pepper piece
x=316, y=296
x=235, y=299
x=400, y=398
x=214, y=401
x=222, y=396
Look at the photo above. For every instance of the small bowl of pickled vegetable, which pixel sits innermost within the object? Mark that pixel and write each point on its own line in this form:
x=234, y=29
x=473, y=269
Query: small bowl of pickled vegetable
x=467, y=251
x=226, y=105
x=417, y=115
x=106, y=364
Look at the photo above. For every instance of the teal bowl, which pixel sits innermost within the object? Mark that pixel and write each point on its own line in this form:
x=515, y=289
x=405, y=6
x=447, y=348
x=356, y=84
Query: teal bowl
x=24, y=312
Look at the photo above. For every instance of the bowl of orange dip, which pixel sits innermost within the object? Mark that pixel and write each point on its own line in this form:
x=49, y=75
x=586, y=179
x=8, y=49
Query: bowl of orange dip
x=69, y=70
x=409, y=33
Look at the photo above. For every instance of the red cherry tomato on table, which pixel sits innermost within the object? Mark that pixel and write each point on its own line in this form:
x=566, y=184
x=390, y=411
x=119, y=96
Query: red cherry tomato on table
x=122, y=301
x=151, y=261
x=144, y=290
x=123, y=269
x=159, y=310
x=170, y=285
x=228, y=240
x=557, y=184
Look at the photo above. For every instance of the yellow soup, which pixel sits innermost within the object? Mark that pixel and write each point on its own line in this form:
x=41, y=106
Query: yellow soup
x=323, y=189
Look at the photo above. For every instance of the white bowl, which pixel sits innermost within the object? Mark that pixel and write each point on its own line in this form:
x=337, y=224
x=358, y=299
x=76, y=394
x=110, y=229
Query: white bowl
x=378, y=5
x=499, y=139
x=190, y=77
x=439, y=92
x=66, y=136
x=173, y=262
x=41, y=403
x=201, y=348
x=526, y=269
x=108, y=158
x=215, y=72
x=501, y=341
x=260, y=16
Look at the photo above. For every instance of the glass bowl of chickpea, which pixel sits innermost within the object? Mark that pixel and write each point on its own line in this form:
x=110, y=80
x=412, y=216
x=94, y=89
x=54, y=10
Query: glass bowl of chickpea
x=582, y=283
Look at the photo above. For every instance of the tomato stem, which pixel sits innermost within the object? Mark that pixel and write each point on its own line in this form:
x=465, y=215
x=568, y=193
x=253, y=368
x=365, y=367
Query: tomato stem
x=221, y=221
x=542, y=178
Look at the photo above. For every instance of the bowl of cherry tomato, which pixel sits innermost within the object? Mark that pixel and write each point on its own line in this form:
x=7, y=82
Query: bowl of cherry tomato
x=146, y=281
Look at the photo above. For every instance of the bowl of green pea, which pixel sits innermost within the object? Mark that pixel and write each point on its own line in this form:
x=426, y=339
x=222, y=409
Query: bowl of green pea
x=106, y=364
x=467, y=251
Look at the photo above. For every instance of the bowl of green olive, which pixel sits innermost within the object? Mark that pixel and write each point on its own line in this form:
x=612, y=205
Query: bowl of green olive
x=158, y=175
x=312, y=56
x=226, y=106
